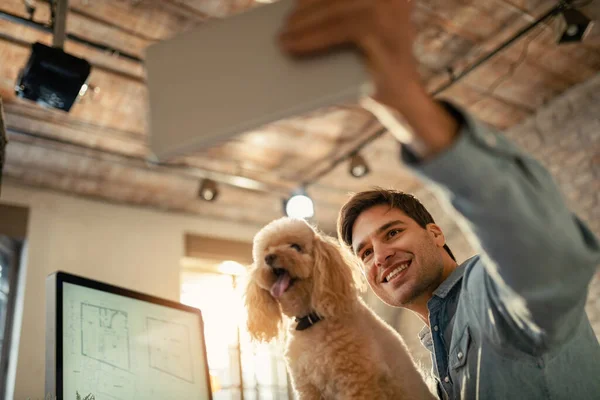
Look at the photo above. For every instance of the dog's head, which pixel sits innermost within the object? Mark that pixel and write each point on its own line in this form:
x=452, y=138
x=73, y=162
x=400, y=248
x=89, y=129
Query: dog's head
x=296, y=271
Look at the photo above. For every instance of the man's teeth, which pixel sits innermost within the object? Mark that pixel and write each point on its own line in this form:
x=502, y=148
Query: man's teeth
x=396, y=272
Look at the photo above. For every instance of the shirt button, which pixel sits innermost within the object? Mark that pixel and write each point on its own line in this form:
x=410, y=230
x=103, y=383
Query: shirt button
x=460, y=355
x=435, y=328
x=446, y=379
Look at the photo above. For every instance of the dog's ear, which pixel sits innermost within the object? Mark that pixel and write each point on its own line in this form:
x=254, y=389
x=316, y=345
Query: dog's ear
x=264, y=314
x=333, y=280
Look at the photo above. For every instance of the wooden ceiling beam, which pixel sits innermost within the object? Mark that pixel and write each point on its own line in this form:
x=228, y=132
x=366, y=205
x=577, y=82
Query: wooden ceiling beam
x=102, y=179
x=80, y=30
x=181, y=9
x=58, y=121
x=21, y=38
x=107, y=192
x=89, y=137
x=164, y=189
x=58, y=125
x=87, y=16
x=528, y=7
x=94, y=154
x=431, y=14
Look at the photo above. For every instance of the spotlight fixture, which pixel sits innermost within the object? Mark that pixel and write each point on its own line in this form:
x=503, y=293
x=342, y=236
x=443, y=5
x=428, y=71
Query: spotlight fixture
x=52, y=78
x=573, y=26
x=299, y=205
x=208, y=190
x=358, y=166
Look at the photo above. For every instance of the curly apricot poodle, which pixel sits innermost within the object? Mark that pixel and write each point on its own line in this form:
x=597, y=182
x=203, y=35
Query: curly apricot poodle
x=336, y=347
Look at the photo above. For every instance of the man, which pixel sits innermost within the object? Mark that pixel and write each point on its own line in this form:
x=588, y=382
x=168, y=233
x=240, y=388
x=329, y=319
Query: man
x=510, y=323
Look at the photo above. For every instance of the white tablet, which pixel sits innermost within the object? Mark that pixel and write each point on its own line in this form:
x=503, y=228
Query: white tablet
x=229, y=76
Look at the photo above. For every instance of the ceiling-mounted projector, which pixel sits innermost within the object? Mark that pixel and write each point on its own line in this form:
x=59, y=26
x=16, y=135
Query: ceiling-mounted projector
x=52, y=78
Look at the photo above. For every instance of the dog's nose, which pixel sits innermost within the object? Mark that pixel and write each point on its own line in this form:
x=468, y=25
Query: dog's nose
x=270, y=259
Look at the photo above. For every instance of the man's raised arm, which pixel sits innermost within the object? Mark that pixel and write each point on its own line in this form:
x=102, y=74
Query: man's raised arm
x=536, y=250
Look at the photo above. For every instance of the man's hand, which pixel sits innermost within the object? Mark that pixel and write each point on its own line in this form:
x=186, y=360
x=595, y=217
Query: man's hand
x=383, y=31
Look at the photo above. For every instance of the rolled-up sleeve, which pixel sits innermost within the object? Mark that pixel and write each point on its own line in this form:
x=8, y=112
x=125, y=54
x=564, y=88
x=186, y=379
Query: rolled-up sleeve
x=539, y=256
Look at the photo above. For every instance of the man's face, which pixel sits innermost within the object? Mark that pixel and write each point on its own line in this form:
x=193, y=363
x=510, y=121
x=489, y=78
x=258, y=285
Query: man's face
x=402, y=261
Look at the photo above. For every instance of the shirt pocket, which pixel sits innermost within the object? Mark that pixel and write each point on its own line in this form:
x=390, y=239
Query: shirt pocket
x=460, y=350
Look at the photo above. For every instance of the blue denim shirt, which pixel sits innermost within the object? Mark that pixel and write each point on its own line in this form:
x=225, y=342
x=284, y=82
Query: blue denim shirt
x=510, y=323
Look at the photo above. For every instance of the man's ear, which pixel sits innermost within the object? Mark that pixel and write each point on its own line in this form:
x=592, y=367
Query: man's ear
x=436, y=234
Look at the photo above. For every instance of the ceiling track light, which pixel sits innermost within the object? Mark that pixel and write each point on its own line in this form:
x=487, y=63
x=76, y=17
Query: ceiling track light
x=53, y=78
x=299, y=205
x=208, y=190
x=573, y=26
x=358, y=166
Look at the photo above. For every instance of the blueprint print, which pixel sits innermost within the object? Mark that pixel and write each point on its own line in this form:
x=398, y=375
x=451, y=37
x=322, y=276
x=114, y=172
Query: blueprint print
x=169, y=348
x=104, y=381
x=105, y=335
x=118, y=386
x=71, y=329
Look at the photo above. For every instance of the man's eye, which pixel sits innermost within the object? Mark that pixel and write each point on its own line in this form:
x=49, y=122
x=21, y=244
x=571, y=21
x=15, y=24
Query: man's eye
x=296, y=247
x=365, y=254
x=393, y=232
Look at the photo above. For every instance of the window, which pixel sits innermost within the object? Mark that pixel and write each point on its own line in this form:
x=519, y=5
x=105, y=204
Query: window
x=240, y=369
x=12, y=236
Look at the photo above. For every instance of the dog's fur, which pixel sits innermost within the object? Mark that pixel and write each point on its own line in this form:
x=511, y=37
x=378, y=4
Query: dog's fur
x=351, y=353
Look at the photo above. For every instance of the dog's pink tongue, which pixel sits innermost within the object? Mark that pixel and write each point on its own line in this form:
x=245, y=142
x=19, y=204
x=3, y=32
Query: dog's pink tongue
x=279, y=287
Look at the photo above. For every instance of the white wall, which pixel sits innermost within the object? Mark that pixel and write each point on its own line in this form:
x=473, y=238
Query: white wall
x=125, y=246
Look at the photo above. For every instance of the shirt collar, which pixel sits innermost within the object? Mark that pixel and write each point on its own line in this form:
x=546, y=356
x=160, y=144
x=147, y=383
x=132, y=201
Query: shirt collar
x=450, y=282
x=442, y=291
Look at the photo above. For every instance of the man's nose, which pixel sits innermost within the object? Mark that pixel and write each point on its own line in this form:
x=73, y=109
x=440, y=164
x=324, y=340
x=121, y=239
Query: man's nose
x=382, y=254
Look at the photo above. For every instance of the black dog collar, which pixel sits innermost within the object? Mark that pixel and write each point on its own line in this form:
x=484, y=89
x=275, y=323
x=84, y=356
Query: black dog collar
x=307, y=321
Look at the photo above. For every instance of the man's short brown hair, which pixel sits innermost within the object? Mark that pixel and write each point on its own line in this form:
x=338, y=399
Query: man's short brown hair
x=362, y=201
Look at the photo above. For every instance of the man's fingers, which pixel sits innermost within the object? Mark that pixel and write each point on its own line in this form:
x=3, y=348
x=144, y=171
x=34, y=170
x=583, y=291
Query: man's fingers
x=311, y=15
x=317, y=25
x=317, y=40
x=321, y=7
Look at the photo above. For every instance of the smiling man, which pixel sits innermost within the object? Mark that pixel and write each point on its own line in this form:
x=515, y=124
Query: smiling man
x=404, y=252
x=509, y=323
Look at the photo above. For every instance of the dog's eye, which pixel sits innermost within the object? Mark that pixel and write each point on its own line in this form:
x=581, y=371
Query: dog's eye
x=296, y=247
